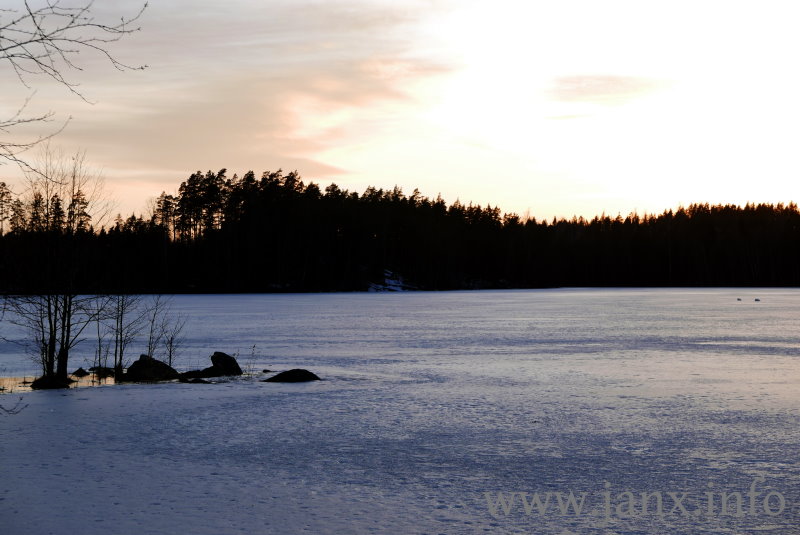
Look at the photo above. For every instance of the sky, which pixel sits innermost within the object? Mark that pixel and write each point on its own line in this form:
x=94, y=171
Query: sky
x=543, y=108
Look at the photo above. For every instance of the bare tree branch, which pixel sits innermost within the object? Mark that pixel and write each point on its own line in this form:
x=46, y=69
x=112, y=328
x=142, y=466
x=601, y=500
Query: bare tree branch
x=47, y=40
x=16, y=409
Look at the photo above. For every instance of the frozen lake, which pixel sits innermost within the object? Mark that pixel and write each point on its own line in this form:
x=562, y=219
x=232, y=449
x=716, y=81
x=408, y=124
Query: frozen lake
x=439, y=413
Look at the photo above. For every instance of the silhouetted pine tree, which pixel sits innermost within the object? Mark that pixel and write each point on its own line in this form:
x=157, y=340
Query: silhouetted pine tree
x=277, y=233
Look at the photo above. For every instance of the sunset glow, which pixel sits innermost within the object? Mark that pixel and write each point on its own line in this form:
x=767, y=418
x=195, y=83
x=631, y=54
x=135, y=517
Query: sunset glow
x=543, y=108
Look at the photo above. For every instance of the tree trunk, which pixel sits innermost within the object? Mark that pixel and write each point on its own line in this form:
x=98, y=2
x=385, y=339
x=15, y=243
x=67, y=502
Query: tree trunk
x=66, y=333
x=50, y=356
x=63, y=358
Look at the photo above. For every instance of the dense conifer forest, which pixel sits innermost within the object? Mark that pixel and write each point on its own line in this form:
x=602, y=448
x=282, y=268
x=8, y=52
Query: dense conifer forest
x=275, y=233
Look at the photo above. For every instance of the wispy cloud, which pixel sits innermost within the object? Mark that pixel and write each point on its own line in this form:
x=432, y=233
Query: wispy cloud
x=602, y=89
x=248, y=84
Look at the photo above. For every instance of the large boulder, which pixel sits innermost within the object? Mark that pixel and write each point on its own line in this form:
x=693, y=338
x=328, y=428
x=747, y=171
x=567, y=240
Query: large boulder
x=80, y=372
x=222, y=365
x=225, y=363
x=293, y=376
x=147, y=369
x=102, y=372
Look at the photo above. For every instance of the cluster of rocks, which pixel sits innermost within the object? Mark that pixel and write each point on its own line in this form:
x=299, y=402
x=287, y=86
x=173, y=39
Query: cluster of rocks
x=147, y=369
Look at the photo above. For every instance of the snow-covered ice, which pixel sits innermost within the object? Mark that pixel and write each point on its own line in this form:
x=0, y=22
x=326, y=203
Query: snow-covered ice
x=435, y=408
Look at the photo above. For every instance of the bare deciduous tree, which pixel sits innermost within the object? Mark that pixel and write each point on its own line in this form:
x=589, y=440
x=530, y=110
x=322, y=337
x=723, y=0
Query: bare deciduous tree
x=58, y=209
x=103, y=348
x=55, y=323
x=63, y=196
x=46, y=38
x=156, y=310
x=78, y=189
x=173, y=337
x=6, y=201
x=165, y=329
x=128, y=319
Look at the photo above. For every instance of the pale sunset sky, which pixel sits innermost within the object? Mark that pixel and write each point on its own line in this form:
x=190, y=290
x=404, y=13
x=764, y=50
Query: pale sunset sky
x=543, y=108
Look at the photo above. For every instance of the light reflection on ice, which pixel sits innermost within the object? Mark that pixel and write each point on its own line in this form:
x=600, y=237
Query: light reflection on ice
x=430, y=401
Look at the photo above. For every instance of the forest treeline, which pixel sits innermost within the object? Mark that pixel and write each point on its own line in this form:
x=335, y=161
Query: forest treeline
x=275, y=233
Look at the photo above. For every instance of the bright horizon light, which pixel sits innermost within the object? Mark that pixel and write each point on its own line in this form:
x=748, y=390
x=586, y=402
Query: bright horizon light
x=543, y=109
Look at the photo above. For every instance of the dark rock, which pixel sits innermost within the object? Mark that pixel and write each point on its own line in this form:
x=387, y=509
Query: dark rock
x=226, y=363
x=102, y=371
x=195, y=381
x=222, y=364
x=80, y=372
x=292, y=376
x=199, y=374
x=191, y=374
x=50, y=382
x=148, y=369
x=266, y=371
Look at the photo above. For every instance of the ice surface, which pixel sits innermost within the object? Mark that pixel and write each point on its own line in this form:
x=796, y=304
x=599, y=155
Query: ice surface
x=430, y=401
